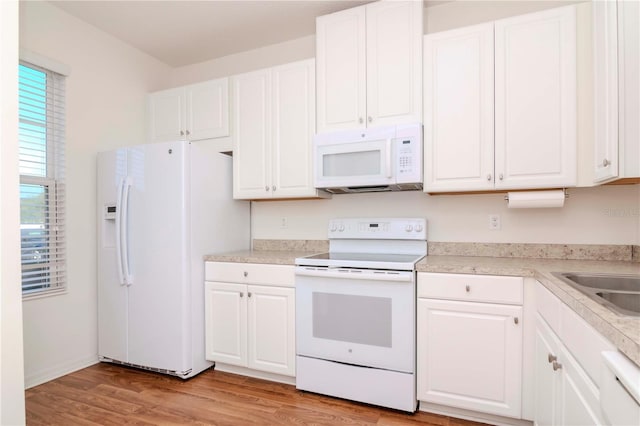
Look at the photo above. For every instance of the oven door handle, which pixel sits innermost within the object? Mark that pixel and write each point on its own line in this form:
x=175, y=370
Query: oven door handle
x=355, y=274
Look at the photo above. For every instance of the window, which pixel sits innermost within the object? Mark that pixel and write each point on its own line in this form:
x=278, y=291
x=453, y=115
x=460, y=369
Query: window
x=42, y=189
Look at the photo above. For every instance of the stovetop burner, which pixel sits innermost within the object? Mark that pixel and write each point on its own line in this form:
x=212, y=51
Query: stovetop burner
x=379, y=243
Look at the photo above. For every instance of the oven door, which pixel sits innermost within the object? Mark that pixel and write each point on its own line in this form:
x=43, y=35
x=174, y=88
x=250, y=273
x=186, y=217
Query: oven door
x=356, y=316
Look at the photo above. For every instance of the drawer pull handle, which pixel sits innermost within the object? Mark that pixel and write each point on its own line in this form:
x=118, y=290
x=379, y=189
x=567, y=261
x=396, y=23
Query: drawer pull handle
x=552, y=358
x=556, y=366
x=468, y=288
x=246, y=274
x=515, y=320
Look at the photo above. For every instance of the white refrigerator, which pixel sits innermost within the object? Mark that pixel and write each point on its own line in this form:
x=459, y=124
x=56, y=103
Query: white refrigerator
x=161, y=208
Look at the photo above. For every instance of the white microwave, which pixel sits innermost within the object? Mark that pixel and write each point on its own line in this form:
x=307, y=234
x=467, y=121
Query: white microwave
x=386, y=158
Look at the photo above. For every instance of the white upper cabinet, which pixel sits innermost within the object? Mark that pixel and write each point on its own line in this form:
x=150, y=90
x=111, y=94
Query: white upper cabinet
x=535, y=78
x=500, y=104
x=294, y=117
x=369, y=66
x=458, y=97
x=340, y=52
x=273, y=127
x=251, y=93
x=616, y=61
x=194, y=112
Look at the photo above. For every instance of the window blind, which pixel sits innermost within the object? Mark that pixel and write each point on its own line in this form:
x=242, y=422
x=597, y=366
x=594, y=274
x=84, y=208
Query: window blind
x=41, y=96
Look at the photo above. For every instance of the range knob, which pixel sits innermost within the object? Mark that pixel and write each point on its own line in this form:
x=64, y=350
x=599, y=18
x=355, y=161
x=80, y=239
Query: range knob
x=341, y=228
x=419, y=228
x=333, y=227
x=409, y=228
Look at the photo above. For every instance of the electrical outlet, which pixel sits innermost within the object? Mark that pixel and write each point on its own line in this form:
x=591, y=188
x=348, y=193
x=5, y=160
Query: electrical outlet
x=494, y=222
x=284, y=222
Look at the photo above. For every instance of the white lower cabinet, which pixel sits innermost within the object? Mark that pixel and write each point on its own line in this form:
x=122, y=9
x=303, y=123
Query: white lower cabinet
x=251, y=325
x=470, y=340
x=568, y=365
x=564, y=394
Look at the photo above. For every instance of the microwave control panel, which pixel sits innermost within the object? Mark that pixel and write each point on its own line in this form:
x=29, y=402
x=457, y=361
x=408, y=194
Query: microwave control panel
x=408, y=159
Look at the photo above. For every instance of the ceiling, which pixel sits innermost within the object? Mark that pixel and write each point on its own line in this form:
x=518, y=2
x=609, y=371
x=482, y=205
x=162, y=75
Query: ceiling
x=186, y=32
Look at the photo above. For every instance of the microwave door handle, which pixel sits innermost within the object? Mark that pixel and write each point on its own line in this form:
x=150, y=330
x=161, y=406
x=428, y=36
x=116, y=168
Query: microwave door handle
x=389, y=158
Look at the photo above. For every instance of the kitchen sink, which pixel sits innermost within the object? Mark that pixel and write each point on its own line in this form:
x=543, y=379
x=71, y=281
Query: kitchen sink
x=621, y=293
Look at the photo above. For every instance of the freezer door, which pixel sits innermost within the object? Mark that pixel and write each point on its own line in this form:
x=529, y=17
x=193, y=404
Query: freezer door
x=158, y=222
x=112, y=292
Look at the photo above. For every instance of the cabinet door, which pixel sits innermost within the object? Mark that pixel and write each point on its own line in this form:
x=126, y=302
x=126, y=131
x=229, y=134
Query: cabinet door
x=470, y=355
x=579, y=400
x=252, y=135
x=226, y=322
x=458, y=69
x=208, y=109
x=167, y=115
x=271, y=329
x=394, y=66
x=629, y=87
x=547, y=382
x=605, y=91
x=293, y=129
x=535, y=107
x=341, y=85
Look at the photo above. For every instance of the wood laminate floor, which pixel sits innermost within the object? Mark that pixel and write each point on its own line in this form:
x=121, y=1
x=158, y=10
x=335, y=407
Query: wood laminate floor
x=106, y=394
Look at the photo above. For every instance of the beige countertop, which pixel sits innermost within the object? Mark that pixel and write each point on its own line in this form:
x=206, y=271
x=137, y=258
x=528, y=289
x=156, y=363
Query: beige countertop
x=622, y=331
x=275, y=257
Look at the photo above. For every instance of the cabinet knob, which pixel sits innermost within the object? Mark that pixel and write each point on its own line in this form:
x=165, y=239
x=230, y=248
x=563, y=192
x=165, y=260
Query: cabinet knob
x=360, y=120
x=468, y=288
x=370, y=119
x=249, y=294
x=181, y=132
x=489, y=177
x=605, y=162
x=266, y=188
x=501, y=176
x=241, y=294
x=551, y=358
x=188, y=133
x=246, y=274
x=516, y=320
x=273, y=188
x=556, y=366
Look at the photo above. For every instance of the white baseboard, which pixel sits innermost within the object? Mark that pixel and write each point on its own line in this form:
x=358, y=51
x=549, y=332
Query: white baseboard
x=243, y=371
x=53, y=372
x=475, y=416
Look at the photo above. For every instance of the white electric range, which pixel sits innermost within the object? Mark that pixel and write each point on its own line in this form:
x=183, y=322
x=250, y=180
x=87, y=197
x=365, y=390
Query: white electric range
x=356, y=312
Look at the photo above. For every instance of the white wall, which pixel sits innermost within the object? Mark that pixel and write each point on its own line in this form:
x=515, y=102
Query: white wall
x=277, y=54
x=600, y=215
x=106, y=94
x=11, y=361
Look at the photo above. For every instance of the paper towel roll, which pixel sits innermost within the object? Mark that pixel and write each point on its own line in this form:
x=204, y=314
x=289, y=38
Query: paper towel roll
x=536, y=199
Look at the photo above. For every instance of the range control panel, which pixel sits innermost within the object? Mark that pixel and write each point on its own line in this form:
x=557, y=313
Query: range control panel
x=378, y=228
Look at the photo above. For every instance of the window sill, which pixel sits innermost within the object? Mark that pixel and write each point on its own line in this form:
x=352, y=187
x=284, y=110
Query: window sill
x=44, y=293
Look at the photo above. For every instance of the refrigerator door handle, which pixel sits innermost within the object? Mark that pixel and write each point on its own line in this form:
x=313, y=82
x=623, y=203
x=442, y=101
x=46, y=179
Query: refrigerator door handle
x=128, y=277
x=121, y=276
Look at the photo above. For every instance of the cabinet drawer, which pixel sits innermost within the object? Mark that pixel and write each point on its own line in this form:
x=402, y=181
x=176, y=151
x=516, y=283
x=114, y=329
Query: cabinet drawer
x=250, y=273
x=472, y=288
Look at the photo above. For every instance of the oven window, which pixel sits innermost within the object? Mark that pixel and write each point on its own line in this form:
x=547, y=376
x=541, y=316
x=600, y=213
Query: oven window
x=351, y=318
x=362, y=163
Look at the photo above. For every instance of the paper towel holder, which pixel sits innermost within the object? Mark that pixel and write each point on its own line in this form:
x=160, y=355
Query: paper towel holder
x=566, y=194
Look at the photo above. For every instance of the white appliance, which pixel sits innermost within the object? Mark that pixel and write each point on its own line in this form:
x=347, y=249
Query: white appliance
x=161, y=208
x=386, y=158
x=356, y=312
